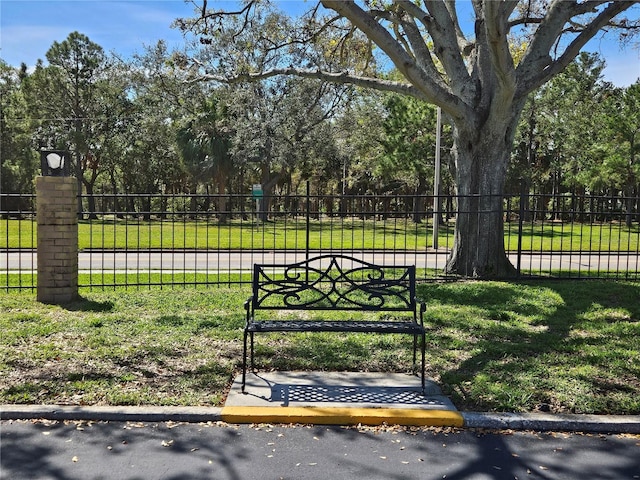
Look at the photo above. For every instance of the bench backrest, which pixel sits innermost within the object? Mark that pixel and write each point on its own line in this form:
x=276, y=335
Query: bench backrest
x=334, y=282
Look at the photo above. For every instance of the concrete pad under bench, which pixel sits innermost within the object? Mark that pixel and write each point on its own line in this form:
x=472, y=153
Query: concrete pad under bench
x=344, y=398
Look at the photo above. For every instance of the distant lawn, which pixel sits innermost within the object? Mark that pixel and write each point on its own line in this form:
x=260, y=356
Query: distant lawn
x=331, y=232
x=136, y=281
x=570, y=346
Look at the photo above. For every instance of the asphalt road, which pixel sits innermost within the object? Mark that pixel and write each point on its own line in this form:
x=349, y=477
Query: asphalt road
x=237, y=261
x=43, y=450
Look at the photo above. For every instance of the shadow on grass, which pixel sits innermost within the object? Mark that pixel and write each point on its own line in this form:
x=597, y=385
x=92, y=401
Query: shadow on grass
x=83, y=304
x=330, y=351
x=546, y=346
x=61, y=385
x=214, y=376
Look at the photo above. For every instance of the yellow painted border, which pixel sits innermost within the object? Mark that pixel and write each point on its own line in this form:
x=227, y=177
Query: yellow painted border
x=343, y=416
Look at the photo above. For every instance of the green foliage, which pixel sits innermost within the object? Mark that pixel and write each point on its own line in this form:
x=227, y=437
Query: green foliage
x=63, y=96
x=204, y=143
x=579, y=134
x=145, y=130
x=358, y=132
x=18, y=158
x=622, y=165
x=410, y=129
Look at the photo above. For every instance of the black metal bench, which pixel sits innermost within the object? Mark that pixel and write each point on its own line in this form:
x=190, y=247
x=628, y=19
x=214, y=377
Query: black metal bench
x=334, y=282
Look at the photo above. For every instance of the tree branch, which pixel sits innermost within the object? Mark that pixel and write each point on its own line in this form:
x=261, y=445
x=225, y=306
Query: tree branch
x=496, y=17
x=444, y=32
x=422, y=52
x=529, y=80
x=431, y=90
x=333, y=77
x=464, y=45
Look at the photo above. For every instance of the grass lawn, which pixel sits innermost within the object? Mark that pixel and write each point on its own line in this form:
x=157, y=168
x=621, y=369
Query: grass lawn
x=331, y=232
x=570, y=346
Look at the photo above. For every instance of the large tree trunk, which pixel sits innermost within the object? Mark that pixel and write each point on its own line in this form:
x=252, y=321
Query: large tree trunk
x=482, y=156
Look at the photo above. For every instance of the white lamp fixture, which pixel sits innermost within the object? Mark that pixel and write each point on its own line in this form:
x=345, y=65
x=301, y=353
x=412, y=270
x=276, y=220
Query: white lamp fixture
x=54, y=163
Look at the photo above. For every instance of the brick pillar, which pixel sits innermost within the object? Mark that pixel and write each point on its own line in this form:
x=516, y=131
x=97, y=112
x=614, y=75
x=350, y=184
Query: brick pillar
x=57, y=218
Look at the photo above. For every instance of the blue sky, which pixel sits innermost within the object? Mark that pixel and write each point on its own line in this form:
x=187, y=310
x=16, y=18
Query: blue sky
x=29, y=27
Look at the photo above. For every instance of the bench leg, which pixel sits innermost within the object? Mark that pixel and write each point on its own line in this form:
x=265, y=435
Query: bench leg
x=422, y=358
x=244, y=363
x=253, y=356
x=424, y=348
x=415, y=348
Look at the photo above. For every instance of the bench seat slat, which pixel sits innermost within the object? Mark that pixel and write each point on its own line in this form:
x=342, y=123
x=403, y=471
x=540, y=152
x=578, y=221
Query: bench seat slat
x=407, y=327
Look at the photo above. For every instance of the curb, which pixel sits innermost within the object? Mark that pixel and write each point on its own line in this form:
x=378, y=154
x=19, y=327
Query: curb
x=554, y=422
x=343, y=416
x=111, y=413
x=613, y=424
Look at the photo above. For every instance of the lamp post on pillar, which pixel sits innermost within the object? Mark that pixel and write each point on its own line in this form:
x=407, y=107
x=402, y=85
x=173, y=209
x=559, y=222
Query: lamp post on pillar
x=54, y=163
x=57, y=220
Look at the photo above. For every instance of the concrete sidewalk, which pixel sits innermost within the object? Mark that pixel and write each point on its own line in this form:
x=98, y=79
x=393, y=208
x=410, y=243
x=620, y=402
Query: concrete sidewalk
x=338, y=398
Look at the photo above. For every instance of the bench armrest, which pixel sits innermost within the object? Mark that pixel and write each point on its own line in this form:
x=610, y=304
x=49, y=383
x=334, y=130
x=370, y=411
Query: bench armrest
x=247, y=303
x=247, y=306
x=423, y=308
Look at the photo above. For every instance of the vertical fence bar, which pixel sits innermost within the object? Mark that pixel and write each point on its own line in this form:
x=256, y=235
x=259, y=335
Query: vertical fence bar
x=4, y=214
x=521, y=213
x=307, y=222
x=145, y=211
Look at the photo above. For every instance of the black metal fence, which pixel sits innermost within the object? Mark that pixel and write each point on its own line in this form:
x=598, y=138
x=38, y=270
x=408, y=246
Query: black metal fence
x=141, y=240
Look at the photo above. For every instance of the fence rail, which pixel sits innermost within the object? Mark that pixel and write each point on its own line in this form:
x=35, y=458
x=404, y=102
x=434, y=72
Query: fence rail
x=202, y=240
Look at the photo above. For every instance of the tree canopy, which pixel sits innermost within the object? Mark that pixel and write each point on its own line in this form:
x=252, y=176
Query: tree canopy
x=476, y=76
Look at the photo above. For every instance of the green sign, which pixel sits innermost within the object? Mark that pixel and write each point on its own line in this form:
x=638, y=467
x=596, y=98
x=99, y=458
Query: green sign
x=256, y=190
